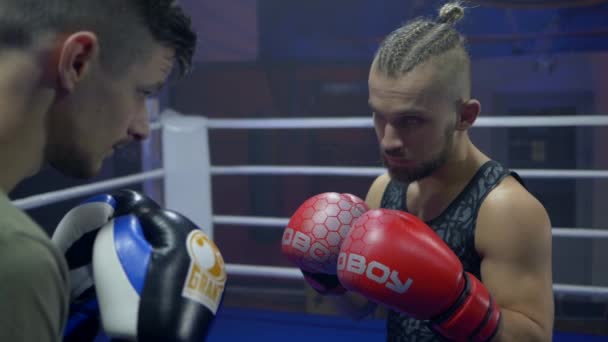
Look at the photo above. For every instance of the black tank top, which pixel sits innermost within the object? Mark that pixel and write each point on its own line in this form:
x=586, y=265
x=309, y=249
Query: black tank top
x=456, y=226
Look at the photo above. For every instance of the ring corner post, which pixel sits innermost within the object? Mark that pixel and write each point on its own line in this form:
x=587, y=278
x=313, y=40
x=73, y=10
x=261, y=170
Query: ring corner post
x=186, y=161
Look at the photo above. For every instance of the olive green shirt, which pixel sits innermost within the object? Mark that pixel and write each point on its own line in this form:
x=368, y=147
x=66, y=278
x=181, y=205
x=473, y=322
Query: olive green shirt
x=34, y=289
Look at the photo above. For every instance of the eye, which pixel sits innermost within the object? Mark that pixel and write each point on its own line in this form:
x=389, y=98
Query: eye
x=377, y=117
x=409, y=121
x=145, y=92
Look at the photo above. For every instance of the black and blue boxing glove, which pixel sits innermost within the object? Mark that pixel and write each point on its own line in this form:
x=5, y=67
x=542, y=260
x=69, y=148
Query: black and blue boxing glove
x=74, y=236
x=158, y=277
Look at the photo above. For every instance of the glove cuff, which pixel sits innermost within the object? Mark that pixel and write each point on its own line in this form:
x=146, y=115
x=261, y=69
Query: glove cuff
x=324, y=284
x=475, y=318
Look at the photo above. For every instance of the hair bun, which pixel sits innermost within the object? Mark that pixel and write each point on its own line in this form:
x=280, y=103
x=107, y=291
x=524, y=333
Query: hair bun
x=450, y=13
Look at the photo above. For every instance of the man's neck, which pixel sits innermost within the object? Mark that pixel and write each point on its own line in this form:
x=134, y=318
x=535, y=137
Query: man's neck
x=459, y=168
x=26, y=97
x=22, y=144
x=19, y=165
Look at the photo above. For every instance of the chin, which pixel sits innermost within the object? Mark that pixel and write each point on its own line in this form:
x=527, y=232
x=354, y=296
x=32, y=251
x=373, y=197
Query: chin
x=400, y=176
x=35, y=169
x=77, y=168
x=90, y=170
x=88, y=173
x=409, y=175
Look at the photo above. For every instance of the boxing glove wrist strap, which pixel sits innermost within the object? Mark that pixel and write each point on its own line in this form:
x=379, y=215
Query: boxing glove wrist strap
x=325, y=284
x=474, y=317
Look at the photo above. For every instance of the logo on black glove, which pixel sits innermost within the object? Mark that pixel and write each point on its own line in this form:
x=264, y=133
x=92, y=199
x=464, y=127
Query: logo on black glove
x=207, y=274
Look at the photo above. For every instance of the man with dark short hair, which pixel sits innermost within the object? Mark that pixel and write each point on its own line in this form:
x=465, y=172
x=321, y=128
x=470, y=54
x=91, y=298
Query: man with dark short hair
x=74, y=77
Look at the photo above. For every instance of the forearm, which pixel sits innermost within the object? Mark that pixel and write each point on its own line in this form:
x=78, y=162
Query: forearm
x=515, y=326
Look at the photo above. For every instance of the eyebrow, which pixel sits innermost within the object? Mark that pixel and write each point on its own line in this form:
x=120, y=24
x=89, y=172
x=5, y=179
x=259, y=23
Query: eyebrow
x=408, y=112
x=160, y=84
x=156, y=87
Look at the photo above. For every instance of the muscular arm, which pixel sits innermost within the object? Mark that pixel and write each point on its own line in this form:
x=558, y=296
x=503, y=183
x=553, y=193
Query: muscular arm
x=352, y=304
x=513, y=238
x=33, y=291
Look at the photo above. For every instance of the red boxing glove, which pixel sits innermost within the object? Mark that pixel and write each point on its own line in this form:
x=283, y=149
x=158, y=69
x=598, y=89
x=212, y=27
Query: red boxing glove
x=314, y=234
x=395, y=259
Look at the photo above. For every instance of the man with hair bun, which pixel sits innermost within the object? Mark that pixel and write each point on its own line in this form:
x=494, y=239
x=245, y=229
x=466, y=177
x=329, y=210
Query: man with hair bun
x=452, y=243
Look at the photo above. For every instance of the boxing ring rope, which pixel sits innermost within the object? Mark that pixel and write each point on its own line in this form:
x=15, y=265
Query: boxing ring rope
x=187, y=177
x=85, y=190
x=358, y=171
x=265, y=271
x=281, y=222
x=320, y=123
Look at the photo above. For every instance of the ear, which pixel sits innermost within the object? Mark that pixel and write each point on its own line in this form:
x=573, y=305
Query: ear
x=76, y=56
x=469, y=111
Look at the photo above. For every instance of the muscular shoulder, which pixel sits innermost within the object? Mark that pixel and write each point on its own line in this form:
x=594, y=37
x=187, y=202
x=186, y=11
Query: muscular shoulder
x=511, y=217
x=376, y=190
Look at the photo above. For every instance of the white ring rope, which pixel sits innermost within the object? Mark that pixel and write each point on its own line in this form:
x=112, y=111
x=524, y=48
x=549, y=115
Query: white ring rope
x=551, y=173
x=264, y=271
x=256, y=221
x=281, y=222
x=293, y=273
x=297, y=170
x=83, y=190
x=156, y=125
x=355, y=171
x=366, y=122
x=321, y=123
x=581, y=233
x=578, y=290
x=291, y=123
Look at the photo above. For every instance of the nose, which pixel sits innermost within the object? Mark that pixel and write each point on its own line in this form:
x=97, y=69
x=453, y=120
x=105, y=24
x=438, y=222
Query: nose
x=140, y=126
x=391, y=141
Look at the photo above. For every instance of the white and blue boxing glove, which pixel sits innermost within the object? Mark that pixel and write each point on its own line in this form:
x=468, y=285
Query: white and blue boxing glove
x=158, y=277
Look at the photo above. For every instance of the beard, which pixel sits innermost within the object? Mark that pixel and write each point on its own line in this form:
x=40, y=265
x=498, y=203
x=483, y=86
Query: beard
x=425, y=168
x=72, y=164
